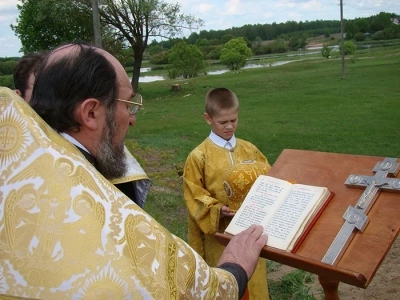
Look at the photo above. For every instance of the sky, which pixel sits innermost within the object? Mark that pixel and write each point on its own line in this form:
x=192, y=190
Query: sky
x=220, y=14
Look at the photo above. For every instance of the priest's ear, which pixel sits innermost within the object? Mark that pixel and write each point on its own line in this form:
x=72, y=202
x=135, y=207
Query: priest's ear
x=90, y=113
x=208, y=118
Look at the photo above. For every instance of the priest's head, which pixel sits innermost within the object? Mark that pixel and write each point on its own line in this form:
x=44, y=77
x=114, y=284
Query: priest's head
x=85, y=92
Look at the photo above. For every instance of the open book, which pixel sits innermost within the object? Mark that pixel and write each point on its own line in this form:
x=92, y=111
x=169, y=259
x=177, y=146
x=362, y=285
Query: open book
x=286, y=210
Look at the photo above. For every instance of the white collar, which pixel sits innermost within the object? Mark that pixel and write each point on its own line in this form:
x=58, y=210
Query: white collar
x=220, y=141
x=73, y=141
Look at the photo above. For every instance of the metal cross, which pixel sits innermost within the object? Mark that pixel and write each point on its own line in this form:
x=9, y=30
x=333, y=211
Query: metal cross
x=356, y=217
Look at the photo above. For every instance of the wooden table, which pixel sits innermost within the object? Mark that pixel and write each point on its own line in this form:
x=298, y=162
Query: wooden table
x=365, y=253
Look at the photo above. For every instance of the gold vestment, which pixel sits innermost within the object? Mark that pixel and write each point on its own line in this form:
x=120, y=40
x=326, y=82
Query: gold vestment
x=67, y=233
x=204, y=195
x=136, y=175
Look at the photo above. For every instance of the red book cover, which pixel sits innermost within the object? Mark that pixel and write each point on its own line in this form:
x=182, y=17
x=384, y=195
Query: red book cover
x=308, y=228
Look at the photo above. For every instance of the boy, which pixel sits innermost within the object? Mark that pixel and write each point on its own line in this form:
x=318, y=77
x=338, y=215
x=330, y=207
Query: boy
x=25, y=72
x=204, y=193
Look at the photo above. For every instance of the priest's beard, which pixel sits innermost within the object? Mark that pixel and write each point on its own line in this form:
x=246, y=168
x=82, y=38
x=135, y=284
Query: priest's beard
x=111, y=158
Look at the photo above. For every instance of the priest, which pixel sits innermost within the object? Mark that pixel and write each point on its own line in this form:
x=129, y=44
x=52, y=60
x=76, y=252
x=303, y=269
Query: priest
x=66, y=232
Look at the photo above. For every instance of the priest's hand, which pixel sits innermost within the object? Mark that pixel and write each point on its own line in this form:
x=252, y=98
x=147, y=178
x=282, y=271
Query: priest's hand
x=244, y=249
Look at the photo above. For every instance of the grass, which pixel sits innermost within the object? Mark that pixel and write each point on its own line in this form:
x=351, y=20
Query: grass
x=293, y=285
x=302, y=105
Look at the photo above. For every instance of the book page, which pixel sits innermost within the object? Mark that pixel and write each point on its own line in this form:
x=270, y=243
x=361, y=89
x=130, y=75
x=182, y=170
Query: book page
x=290, y=217
x=260, y=203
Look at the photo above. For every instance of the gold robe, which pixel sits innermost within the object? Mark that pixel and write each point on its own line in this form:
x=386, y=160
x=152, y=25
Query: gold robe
x=137, y=176
x=67, y=233
x=204, y=195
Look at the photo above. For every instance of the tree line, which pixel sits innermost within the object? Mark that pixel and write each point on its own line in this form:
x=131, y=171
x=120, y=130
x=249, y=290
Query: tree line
x=134, y=30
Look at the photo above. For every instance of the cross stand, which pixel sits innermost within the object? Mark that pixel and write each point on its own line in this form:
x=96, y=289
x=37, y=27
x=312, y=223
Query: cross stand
x=356, y=266
x=356, y=217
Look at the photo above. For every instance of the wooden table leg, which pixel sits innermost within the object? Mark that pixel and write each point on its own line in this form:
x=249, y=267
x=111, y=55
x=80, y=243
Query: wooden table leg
x=331, y=288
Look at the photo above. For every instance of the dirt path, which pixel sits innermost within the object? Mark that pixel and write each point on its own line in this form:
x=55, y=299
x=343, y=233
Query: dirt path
x=385, y=285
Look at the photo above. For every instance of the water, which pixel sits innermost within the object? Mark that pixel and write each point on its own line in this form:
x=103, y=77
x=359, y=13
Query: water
x=252, y=66
x=151, y=78
x=145, y=78
x=143, y=70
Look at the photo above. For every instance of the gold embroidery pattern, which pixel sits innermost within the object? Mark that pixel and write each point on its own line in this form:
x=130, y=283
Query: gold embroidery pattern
x=172, y=253
x=13, y=138
x=204, y=193
x=67, y=233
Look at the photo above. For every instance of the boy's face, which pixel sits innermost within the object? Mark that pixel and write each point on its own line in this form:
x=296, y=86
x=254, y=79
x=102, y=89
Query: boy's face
x=224, y=123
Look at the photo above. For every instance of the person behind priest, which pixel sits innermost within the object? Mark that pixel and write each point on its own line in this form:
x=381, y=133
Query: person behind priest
x=24, y=73
x=96, y=113
x=205, y=197
x=134, y=182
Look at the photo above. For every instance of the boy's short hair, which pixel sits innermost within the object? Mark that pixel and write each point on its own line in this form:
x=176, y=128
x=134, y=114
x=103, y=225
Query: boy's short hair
x=220, y=98
x=26, y=65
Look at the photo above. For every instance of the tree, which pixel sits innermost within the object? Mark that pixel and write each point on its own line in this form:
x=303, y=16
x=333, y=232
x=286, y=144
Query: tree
x=45, y=24
x=326, y=51
x=351, y=29
x=359, y=36
x=381, y=21
x=258, y=41
x=349, y=47
x=116, y=47
x=235, y=53
x=186, y=61
x=363, y=25
x=7, y=67
x=297, y=42
x=138, y=20
x=160, y=58
x=226, y=38
x=278, y=46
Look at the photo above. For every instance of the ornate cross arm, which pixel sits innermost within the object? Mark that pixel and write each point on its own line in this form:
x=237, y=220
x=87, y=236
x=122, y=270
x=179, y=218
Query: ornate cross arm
x=355, y=217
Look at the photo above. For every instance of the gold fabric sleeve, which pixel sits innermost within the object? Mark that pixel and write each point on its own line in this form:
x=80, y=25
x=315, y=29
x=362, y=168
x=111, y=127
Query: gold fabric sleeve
x=68, y=233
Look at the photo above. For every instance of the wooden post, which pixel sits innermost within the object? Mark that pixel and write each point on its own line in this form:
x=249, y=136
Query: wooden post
x=330, y=287
x=175, y=87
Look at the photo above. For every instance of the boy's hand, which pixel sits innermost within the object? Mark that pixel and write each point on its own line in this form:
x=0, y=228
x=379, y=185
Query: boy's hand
x=226, y=212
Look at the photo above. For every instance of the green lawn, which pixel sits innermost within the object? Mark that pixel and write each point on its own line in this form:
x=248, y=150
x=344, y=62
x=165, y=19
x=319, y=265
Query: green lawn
x=301, y=105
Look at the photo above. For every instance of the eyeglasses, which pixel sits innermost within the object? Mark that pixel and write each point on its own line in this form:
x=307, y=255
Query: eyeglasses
x=135, y=103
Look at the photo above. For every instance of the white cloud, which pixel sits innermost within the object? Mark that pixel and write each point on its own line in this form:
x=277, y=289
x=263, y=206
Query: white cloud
x=232, y=8
x=10, y=44
x=205, y=8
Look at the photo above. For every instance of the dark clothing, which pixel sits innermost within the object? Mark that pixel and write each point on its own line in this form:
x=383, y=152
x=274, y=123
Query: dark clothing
x=128, y=188
x=240, y=275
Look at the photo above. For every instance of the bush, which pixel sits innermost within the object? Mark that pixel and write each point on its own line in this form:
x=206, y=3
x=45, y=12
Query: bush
x=7, y=67
x=215, y=53
x=392, y=32
x=326, y=51
x=359, y=37
x=258, y=50
x=7, y=81
x=160, y=58
x=379, y=35
x=278, y=46
x=349, y=47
